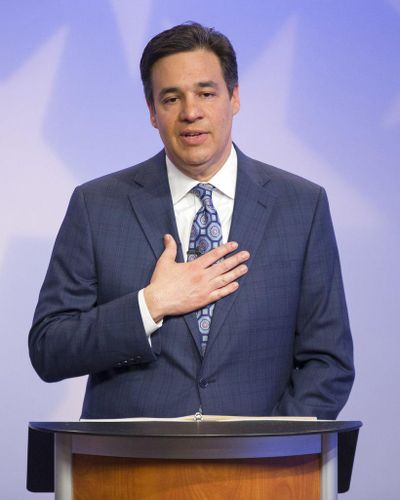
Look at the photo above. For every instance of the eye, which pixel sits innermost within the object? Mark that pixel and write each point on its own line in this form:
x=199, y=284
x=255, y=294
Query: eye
x=207, y=95
x=170, y=100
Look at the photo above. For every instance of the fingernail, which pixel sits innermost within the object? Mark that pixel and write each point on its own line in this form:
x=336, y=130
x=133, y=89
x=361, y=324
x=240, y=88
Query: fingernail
x=234, y=244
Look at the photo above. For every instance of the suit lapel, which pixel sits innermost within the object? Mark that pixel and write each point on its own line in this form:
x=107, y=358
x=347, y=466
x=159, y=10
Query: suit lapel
x=151, y=201
x=252, y=208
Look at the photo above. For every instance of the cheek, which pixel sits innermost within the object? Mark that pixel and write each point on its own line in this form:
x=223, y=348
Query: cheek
x=166, y=133
x=225, y=124
x=165, y=124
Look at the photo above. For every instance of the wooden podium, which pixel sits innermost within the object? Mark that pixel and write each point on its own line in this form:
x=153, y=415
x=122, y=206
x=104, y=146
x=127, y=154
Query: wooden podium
x=241, y=460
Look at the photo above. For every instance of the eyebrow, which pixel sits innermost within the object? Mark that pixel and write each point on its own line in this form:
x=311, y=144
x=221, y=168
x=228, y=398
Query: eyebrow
x=210, y=83
x=171, y=90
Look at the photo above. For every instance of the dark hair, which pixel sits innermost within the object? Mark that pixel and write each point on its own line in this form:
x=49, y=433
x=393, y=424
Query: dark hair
x=185, y=38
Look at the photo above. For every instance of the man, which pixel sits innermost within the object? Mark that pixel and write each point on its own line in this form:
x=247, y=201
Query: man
x=146, y=293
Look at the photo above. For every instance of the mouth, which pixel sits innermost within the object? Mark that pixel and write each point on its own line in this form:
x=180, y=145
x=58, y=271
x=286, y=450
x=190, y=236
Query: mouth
x=192, y=133
x=193, y=137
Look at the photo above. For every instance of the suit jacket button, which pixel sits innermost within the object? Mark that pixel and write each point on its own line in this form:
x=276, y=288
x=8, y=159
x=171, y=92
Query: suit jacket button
x=203, y=383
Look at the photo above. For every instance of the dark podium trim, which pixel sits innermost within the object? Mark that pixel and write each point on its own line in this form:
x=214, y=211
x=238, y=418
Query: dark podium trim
x=40, y=470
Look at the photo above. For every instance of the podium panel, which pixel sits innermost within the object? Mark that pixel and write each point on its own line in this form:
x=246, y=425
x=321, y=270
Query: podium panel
x=116, y=478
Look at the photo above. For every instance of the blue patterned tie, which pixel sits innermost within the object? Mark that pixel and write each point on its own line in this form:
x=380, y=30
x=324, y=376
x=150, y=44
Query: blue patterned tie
x=205, y=235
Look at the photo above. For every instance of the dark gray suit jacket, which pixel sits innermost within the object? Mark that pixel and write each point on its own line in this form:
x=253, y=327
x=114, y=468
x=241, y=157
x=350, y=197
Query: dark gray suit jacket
x=280, y=345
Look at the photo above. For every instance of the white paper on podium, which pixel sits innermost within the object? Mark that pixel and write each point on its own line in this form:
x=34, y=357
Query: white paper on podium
x=203, y=418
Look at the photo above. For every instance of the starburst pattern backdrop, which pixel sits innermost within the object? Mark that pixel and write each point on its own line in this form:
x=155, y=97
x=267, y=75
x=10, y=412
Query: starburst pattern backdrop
x=320, y=86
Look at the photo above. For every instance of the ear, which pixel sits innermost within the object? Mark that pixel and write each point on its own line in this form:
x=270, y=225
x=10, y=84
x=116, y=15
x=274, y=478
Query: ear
x=235, y=100
x=152, y=113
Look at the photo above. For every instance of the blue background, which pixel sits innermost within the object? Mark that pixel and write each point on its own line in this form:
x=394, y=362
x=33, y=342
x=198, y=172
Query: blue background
x=320, y=88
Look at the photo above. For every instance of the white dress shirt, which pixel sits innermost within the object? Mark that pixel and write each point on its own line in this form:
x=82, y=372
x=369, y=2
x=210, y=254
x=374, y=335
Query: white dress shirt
x=187, y=204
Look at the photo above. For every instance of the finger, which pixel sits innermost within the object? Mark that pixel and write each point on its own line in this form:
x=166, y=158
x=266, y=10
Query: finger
x=211, y=257
x=170, y=248
x=227, y=264
x=231, y=276
x=224, y=291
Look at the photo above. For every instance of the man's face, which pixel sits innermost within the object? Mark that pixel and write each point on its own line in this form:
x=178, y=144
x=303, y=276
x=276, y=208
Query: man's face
x=193, y=111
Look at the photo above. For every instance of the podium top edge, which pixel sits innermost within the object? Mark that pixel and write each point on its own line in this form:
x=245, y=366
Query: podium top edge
x=248, y=428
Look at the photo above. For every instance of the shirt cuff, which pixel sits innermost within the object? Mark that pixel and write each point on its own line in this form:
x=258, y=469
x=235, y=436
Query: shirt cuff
x=149, y=324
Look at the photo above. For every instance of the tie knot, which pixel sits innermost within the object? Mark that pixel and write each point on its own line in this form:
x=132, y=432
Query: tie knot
x=204, y=192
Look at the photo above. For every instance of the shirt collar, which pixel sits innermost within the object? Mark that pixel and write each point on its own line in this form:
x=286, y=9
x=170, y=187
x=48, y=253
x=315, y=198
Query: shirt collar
x=224, y=180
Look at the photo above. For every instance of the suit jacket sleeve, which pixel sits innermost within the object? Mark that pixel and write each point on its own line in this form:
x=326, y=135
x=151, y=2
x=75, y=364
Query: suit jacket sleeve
x=72, y=334
x=323, y=370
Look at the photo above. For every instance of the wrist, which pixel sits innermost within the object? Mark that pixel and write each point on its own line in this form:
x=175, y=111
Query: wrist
x=153, y=303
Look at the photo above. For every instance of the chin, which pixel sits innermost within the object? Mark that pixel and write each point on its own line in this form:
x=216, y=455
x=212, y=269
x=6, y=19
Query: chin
x=196, y=159
x=196, y=162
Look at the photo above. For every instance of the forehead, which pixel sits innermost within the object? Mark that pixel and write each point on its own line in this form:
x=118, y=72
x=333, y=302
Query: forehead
x=186, y=69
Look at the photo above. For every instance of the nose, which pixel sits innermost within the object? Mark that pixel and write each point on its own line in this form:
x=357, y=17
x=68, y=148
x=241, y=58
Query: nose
x=191, y=110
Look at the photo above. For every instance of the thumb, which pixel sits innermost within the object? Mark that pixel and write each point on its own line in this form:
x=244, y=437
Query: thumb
x=170, y=247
